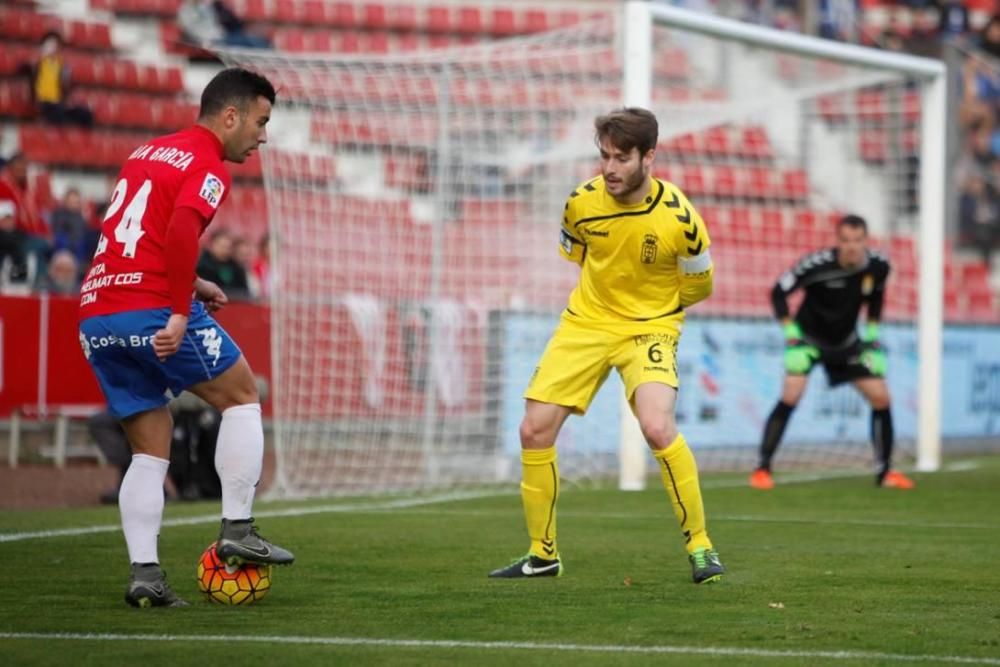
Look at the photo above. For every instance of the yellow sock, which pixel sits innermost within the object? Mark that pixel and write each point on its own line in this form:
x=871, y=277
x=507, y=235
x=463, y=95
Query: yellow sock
x=680, y=478
x=539, y=492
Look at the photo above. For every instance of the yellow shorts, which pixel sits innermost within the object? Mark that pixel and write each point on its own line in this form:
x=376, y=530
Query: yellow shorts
x=578, y=358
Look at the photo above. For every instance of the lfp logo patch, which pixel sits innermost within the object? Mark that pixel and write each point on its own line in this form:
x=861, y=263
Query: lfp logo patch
x=212, y=189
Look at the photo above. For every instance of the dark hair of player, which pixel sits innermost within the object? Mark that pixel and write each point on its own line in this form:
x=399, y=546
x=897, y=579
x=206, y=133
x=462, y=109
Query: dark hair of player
x=854, y=222
x=628, y=128
x=235, y=87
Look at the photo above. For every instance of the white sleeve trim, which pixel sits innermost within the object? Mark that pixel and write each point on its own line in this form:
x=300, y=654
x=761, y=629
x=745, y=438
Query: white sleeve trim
x=697, y=264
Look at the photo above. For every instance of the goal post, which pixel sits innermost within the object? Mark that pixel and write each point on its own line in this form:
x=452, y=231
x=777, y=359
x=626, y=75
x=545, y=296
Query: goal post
x=414, y=200
x=641, y=19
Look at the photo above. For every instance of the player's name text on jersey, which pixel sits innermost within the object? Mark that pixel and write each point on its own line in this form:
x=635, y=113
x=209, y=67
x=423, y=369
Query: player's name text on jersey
x=172, y=156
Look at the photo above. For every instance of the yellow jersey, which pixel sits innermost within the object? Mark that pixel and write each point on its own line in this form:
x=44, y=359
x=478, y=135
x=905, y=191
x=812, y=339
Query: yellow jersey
x=48, y=80
x=639, y=262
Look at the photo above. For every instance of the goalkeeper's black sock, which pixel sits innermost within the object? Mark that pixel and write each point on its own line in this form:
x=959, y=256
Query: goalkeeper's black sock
x=882, y=441
x=773, y=430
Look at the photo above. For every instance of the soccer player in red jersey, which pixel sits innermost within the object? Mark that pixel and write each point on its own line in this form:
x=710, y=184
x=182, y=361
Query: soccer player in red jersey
x=144, y=335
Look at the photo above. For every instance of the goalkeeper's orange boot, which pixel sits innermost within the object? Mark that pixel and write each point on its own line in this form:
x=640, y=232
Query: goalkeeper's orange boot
x=761, y=479
x=897, y=480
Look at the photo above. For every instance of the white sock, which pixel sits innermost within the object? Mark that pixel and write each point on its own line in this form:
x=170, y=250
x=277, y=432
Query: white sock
x=239, y=455
x=140, y=501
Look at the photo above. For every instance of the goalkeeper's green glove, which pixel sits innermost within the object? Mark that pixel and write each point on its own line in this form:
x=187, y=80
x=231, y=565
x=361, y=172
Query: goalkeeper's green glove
x=872, y=353
x=799, y=355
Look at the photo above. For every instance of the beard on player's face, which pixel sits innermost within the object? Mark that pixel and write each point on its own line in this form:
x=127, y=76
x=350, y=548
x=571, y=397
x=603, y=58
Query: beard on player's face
x=624, y=172
x=626, y=179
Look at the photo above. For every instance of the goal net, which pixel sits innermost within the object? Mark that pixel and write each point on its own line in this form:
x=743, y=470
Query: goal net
x=414, y=203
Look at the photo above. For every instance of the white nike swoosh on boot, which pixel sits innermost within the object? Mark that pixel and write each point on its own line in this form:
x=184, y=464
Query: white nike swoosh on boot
x=528, y=570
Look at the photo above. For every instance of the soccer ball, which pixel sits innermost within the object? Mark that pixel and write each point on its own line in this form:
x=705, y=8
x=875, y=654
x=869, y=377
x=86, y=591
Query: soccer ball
x=232, y=585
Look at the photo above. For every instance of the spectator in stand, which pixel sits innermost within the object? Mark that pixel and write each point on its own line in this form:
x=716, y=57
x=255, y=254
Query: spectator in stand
x=979, y=215
x=70, y=229
x=989, y=37
x=243, y=256
x=262, y=269
x=925, y=38
x=13, y=261
x=953, y=23
x=192, y=449
x=212, y=22
x=14, y=188
x=63, y=276
x=839, y=20
x=218, y=266
x=51, y=83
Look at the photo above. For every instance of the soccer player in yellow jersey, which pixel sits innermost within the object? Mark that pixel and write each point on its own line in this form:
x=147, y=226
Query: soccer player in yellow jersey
x=643, y=253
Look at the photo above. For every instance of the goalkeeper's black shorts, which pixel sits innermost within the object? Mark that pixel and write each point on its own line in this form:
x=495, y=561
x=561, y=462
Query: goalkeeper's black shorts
x=844, y=364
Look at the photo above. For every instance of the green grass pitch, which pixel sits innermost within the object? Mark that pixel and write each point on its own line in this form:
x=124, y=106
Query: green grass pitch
x=831, y=572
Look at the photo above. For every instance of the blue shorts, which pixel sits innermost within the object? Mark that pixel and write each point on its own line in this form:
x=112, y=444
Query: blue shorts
x=119, y=348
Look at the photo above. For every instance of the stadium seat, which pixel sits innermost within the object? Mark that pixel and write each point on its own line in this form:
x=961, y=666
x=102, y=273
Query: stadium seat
x=725, y=182
x=341, y=15
x=794, y=184
x=470, y=20
x=760, y=183
x=438, y=19
x=502, y=22
x=281, y=11
x=314, y=12
x=717, y=142
x=692, y=180
x=534, y=20
x=871, y=105
x=755, y=144
x=15, y=100
x=873, y=145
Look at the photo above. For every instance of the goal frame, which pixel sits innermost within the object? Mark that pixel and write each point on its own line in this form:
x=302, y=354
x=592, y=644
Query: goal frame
x=639, y=17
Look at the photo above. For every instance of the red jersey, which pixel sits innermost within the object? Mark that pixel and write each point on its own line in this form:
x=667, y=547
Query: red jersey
x=129, y=268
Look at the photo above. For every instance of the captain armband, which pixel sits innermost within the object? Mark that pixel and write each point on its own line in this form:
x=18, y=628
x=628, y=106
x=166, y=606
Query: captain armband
x=695, y=265
x=566, y=241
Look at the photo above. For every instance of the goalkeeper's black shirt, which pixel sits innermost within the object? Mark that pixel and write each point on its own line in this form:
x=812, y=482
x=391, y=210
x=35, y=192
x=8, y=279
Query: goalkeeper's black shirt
x=833, y=295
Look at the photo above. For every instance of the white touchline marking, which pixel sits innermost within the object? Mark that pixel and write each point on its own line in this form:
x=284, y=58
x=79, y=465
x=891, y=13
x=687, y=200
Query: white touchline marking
x=749, y=518
x=404, y=503
x=291, y=511
x=503, y=645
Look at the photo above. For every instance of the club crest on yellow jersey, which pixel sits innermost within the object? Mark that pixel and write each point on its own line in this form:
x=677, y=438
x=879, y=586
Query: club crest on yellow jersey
x=649, y=249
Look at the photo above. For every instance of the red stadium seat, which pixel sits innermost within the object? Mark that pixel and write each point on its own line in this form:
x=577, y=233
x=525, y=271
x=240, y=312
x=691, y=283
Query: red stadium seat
x=314, y=13
x=15, y=99
x=873, y=145
x=871, y=104
x=283, y=11
x=795, y=184
x=759, y=183
x=725, y=182
x=716, y=141
x=755, y=144
x=692, y=180
x=374, y=16
x=470, y=20
x=535, y=20
x=402, y=17
x=438, y=19
x=772, y=223
x=502, y=22
x=341, y=14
